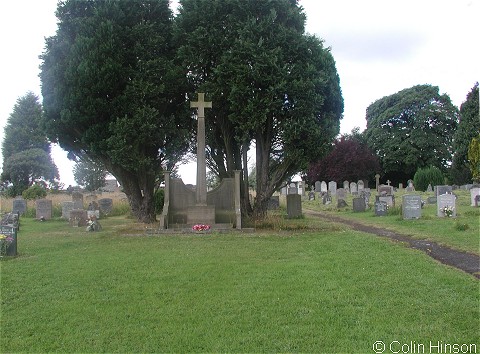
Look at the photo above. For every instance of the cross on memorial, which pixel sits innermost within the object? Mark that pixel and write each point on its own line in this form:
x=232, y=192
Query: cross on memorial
x=201, y=160
x=388, y=182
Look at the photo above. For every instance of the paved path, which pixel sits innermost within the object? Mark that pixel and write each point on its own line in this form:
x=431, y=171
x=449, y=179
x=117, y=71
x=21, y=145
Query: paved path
x=468, y=262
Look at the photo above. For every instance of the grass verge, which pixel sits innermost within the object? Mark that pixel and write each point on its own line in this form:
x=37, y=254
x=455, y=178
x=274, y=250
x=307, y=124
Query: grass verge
x=325, y=290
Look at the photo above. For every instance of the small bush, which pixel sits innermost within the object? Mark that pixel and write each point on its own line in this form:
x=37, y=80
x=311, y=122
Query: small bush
x=34, y=192
x=425, y=176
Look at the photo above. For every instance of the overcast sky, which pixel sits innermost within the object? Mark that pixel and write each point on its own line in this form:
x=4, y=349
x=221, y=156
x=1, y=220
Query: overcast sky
x=380, y=47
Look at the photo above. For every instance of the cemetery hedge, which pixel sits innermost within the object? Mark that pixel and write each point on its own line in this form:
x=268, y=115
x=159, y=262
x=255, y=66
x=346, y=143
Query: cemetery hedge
x=323, y=288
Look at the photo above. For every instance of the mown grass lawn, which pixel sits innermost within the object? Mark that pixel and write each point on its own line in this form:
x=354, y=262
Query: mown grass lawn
x=326, y=289
x=462, y=232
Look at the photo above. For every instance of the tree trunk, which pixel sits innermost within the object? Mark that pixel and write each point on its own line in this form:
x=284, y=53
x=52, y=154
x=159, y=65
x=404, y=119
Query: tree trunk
x=139, y=188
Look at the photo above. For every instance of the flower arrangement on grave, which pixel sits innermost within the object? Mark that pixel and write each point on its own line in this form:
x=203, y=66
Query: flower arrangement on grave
x=448, y=210
x=201, y=227
x=5, y=241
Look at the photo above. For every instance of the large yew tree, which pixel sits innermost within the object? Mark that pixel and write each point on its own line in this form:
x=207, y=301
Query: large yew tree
x=412, y=129
x=113, y=93
x=271, y=84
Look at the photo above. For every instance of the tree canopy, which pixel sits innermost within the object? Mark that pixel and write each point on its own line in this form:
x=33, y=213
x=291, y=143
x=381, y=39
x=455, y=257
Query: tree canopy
x=271, y=85
x=89, y=174
x=25, y=147
x=349, y=159
x=113, y=92
x=468, y=128
x=412, y=129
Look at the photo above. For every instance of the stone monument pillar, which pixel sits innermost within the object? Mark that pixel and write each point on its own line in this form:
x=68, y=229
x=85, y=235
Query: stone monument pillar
x=201, y=213
x=201, y=160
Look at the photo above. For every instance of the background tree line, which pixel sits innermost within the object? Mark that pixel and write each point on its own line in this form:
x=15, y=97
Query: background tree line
x=117, y=78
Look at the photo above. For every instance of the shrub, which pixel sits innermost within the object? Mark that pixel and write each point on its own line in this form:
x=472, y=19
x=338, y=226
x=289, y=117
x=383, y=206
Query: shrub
x=425, y=176
x=34, y=192
x=461, y=226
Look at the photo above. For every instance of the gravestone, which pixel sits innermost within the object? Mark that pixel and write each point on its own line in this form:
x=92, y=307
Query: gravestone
x=93, y=210
x=294, y=206
x=400, y=186
x=292, y=189
x=446, y=200
x=318, y=186
x=346, y=185
x=341, y=194
x=439, y=190
x=385, y=190
x=323, y=187
x=273, y=202
x=10, y=231
x=474, y=192
x=377, y=181
x=341, y=203
x=311, y=195
x=429, y=188
x=358, y=204
x=389, y=199
x=77, y=199
x=284, y=190
x=326, y=199
x=332, y=187
x=381, y=208
x=477, y=201
x=411, y=207
x=360, y=186
x=353, y=188
x=105, y=205
x=365, y=194
x=432, y=200
x=410, y=186
x=67, y=207
x=90, y=198
x=19, y=206
x=78, y=217
x=43, y=208
x=301, y=188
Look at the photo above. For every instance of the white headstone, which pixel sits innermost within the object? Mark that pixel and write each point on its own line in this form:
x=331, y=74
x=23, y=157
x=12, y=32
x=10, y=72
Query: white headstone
x=446, y=203
x=332, y=187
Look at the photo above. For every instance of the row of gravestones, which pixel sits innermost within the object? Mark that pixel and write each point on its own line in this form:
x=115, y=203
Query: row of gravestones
x=352, y=187
x=71, y=210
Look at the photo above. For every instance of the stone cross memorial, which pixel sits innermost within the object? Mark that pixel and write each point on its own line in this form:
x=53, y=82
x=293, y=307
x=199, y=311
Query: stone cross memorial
x=201, y=212
x=201, y=161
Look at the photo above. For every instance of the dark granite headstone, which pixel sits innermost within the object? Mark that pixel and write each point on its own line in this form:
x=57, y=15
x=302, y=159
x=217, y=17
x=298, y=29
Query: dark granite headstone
x=311, y=195
x=432, y=200
x=294, y=205
x=273, y=203
x=381, y=208
x=439, y=190
x=341, y=203
x=19, y=206
x=10, y=231
x=358, y=204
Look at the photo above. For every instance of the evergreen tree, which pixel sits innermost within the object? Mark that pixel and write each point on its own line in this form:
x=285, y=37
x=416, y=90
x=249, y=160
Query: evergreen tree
x=468, y=128
x=25, y=147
